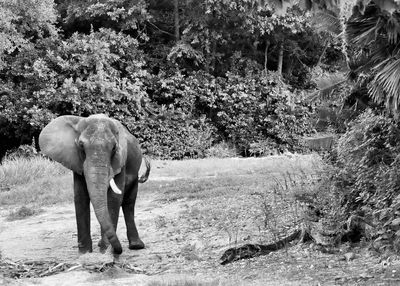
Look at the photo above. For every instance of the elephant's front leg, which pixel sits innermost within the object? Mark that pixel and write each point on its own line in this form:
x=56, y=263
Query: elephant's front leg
x=128, y=207
x=82, y=212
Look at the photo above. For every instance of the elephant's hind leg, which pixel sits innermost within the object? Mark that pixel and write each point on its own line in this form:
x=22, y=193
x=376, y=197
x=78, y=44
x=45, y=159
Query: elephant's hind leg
x=128, y=207
x=82, y=212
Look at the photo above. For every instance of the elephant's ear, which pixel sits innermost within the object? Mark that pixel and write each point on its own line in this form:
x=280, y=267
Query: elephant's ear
x=57, y=140
x=119, y=159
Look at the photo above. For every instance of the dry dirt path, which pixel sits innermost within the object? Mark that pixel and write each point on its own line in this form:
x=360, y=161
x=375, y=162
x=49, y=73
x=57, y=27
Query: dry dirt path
x=184, y=233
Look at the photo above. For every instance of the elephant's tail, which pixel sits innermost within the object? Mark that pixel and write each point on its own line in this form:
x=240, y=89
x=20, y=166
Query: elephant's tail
x=145, y=176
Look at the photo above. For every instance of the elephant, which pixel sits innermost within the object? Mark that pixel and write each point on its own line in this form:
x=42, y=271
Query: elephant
x=105, y=159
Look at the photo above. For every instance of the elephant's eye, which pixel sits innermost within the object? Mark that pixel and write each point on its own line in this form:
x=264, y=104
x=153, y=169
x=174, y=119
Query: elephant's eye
x=79, y=143
x=114, y=149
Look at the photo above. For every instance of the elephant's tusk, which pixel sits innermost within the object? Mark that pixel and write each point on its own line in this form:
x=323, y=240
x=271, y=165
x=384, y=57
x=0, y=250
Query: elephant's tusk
x=114, y=187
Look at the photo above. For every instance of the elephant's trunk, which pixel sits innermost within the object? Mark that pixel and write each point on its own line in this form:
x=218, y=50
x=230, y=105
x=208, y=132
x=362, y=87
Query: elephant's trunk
x=97, y=180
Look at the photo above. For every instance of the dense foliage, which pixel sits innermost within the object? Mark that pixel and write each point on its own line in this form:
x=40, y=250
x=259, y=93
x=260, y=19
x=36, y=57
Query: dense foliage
x=205, y=71
x=181, y=80
x=366, y=176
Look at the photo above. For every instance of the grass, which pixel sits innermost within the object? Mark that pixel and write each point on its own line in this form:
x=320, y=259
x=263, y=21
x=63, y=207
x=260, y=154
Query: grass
x=185, y=282
x=217, y=167
x=23, y=212
x=25, y=170
x=34, y=181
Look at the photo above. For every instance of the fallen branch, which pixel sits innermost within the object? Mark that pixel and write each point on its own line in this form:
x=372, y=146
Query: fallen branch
x=253, y=250
x=316, y=229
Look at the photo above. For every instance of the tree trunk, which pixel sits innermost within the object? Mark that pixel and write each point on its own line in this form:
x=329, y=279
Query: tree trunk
x=280, y=59
x=213, y=54
x=267, y=43
x=176, y=17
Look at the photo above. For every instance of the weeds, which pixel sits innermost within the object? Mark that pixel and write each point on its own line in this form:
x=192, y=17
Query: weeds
x=281, y=206
x=36, y=180
x=20, y=171
x=160, y=222
x=190, y=252
x=23, y=212
x=185, y=282
x=221, y=150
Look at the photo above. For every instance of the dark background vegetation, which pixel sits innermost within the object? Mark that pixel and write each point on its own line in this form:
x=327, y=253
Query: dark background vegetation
x=181, y=80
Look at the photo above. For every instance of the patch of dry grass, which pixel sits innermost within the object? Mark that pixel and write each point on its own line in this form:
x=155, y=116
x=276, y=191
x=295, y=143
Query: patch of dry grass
x=185, y=282
x=23, y=212
x=34, y=181
x=217, y=167
x=25, y=170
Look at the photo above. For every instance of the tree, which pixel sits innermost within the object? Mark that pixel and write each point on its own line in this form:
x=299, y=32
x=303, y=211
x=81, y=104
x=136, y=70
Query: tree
x=371, y=42
x=120, y=15
x=23, y=23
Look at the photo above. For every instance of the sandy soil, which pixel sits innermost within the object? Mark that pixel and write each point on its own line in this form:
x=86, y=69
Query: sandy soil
x=178, y=245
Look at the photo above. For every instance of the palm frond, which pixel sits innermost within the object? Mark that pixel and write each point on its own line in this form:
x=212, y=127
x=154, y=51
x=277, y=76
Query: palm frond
x=362, y=31
x=326, y=22
x=386, y=84
x=327, y=85
x=393, y=28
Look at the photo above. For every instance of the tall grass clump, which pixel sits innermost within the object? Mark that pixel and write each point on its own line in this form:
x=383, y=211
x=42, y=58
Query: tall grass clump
x=33, y=182
x=19, y=171
x=281, y=207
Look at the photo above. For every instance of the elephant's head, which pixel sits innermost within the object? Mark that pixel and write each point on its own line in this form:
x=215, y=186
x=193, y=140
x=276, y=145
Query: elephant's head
x=95, y=147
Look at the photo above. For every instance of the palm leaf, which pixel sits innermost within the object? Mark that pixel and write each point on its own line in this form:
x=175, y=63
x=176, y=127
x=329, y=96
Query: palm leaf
x=326, y=22
x=386, y=83
x=327, y=85
x=362, y=31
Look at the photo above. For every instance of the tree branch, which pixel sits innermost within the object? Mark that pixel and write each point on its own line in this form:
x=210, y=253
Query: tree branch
x=162, y=31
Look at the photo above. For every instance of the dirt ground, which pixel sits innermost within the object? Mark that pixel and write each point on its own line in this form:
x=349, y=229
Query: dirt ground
x=186, y=233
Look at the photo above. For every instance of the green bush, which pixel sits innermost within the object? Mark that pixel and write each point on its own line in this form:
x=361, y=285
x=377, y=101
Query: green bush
x=246, y=111
x=101, y=72
x=173, y=136
x=368, y=175
x=256, y=109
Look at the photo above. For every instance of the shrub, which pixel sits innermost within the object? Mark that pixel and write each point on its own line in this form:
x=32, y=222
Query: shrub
x=174, y=136
x=368, y=175
x=221, y=150
x=250, y=110
x=22, y=213
x=85, y=74
x=24, y=151
x=245, y=111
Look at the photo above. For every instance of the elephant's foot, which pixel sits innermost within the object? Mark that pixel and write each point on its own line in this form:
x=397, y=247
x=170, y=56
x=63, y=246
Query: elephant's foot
x=136, y=244
x=85, y=248
x=103, y=245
